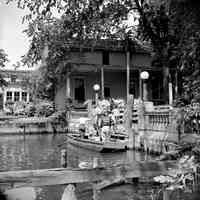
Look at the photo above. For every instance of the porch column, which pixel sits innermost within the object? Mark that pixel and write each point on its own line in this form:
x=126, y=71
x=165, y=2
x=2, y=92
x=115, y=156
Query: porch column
x=28, y=97
x=13, y=96
x=20, y=96
x=144, y=76
x=127, y=74
x=140, y=86
x=145, y=91
x=68, y=87
x=102, y=82
x=176, y=84
x=4, y=98
x=170, y=91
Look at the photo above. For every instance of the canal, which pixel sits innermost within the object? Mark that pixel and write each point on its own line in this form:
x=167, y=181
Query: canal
x=44, y=151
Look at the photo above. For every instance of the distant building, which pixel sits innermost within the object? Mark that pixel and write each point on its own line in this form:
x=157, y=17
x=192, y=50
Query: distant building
x=17, y=88
x=105, y=63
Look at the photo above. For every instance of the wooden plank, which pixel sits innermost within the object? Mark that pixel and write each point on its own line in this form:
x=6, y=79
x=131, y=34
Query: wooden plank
x=59, y=176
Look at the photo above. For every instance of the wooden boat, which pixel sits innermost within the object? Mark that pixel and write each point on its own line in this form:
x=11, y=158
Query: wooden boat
x=110, y=145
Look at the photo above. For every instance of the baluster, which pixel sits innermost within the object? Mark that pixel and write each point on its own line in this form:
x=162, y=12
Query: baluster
x=155, y=119
x=165, y=119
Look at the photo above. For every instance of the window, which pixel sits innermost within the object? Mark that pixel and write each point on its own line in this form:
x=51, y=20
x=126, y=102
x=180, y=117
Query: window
x=105, y=57
x=24, y=96
x=16, y=96
x=8, y=96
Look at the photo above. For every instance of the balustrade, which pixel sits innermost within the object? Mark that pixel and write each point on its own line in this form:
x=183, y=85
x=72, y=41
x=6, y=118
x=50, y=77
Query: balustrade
x=158, y=118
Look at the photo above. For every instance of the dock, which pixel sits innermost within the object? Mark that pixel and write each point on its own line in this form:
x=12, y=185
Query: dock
x=60, y=176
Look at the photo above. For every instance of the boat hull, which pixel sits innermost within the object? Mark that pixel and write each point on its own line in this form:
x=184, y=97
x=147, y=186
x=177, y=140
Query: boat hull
x=107, y=146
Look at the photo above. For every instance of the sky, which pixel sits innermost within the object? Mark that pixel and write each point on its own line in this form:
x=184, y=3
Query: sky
x=12, y=39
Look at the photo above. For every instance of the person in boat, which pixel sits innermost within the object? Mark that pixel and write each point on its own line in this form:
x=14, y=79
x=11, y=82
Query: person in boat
x=82, y=128
x=105, y=124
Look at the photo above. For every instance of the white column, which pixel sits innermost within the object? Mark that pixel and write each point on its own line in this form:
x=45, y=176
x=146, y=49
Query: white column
x=140, y=86
x=20, y=96
x=170, y=94
x=102, y=82
x=145, y=91
x=13, y=96
x=176, y=84
x=68, y=86
x=28, y=97
x=4, y=98
x=127, y=74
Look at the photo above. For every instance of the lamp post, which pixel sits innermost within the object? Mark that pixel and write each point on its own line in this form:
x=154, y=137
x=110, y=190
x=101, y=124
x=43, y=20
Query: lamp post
x=144, y=76
x=96, y=88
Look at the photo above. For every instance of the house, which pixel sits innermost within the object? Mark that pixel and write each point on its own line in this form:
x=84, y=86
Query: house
x=105, y=63
x=16, y=88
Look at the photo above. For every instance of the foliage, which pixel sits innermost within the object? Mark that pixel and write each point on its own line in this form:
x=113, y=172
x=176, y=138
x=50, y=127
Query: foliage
x=19, y=108
x=3, y=58
x=175, y=41
x=182, y=177
x=30, y=109
x=9, y=107
x=44, y=108
x=192, y=117
x=42, y=84
x=59, y=117
x=78, y=22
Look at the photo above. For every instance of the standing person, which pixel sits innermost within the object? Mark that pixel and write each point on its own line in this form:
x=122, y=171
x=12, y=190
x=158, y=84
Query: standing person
x=111, y=104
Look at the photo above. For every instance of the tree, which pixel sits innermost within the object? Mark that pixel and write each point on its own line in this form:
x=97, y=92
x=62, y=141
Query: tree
x=3, y=60
x=175, y=43
x=79, y=22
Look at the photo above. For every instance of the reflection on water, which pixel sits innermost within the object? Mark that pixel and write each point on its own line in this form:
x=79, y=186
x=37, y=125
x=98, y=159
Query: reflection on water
x=44, y=151
x=31, y=152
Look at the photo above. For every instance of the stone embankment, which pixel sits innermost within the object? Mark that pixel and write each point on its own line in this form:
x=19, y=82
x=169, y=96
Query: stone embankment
x=28, y=125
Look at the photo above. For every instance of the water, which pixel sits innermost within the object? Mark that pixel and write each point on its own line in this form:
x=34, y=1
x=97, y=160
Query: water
x=44, y=151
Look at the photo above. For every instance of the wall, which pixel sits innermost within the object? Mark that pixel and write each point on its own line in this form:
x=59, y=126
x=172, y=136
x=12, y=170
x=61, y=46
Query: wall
x=87, y=57
x=116, y=81
x=117, y=59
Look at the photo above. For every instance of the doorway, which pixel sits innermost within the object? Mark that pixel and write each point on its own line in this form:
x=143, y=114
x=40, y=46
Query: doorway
x=79, y=90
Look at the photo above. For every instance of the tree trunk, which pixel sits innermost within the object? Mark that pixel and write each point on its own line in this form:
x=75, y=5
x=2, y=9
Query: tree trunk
x=165, y=84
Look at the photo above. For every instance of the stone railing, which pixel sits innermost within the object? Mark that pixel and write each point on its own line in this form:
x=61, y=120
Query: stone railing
x=155, y=128
x=158, y=118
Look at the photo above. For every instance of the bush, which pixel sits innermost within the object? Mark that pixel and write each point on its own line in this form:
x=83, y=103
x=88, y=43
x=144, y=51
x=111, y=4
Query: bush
x=59, y=117
x=19, y=108
x=30, y=109
x=192, y=117
x=44, y=109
